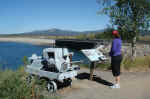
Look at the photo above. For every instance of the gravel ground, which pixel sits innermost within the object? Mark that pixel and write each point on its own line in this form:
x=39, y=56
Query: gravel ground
x=134, y=85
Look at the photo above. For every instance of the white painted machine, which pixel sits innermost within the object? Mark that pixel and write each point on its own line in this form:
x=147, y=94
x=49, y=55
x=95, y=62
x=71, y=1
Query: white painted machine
x=55, y=64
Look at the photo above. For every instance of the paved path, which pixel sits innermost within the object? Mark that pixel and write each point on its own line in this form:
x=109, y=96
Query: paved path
x=133, y=86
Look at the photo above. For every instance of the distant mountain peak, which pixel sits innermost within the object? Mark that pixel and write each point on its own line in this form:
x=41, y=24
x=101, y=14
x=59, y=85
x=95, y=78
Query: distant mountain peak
x=59, y=32
x=53, y=30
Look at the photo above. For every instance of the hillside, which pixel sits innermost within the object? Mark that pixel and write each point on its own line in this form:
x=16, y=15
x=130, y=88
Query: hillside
x=55, y=32
x=61, y=32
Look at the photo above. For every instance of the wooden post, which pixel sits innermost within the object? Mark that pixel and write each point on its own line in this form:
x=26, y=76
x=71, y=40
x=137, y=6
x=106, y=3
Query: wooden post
x=70, y=56
x=92, y=66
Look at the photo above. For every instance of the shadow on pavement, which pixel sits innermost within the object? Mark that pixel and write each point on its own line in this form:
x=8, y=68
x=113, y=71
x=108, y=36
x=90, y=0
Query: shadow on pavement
x=85, y=75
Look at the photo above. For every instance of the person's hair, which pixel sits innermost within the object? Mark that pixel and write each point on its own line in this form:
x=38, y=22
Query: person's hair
x=117, y=35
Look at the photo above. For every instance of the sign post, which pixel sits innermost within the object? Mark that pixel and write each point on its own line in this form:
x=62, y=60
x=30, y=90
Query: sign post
x=94, y=56
x=92, y=67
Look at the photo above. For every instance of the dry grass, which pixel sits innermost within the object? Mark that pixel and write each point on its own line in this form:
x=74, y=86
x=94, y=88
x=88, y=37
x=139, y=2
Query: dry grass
x=139, y=64
x=144, y=38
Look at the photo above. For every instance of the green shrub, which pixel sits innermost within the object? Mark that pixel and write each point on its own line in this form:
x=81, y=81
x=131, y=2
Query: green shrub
x=13, y=85
x=25, y=60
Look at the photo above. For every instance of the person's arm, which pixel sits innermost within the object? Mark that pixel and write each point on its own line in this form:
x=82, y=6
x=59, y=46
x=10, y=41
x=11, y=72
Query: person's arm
x=120, y=46
x=114, y=47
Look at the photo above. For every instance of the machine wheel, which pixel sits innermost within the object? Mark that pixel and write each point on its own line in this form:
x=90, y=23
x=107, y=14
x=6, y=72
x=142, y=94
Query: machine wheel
x=51, y=86
x=29, y=79
x=70, y=82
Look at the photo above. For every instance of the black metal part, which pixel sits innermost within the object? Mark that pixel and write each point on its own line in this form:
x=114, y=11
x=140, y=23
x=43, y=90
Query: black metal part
x=75, y=43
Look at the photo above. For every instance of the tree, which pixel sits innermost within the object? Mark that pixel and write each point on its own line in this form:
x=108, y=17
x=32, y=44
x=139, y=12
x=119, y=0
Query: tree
x=129, y=16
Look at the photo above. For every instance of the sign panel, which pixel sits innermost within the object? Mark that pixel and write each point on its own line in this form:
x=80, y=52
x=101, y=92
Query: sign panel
x=93, y=55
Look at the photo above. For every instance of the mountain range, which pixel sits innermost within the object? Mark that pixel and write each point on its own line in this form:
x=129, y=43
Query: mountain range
x=58, y=32
x=62, y=32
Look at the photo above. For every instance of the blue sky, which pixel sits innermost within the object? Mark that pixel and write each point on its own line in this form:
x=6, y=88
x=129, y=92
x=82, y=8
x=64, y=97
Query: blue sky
x=17, y=16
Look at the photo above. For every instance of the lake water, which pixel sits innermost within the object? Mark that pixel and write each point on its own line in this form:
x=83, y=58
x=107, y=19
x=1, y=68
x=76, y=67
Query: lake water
x=11, y=54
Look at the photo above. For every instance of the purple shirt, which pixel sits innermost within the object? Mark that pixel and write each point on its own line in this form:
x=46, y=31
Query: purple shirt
x=116, y=47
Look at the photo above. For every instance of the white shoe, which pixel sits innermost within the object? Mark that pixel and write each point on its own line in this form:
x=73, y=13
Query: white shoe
x=115, y=86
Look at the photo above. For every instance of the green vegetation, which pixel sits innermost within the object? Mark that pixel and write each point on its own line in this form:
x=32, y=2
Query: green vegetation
x=139, y=64
x=25, y=60
x=81, y=36
x=106, y=34
x=129, y=16
x=13, y=85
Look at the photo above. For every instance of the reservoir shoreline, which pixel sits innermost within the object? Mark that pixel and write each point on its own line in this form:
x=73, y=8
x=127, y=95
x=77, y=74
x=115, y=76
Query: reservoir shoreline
x=34, y=41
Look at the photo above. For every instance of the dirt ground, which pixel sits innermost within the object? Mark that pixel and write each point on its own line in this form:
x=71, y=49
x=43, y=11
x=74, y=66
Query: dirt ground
x=134, y=85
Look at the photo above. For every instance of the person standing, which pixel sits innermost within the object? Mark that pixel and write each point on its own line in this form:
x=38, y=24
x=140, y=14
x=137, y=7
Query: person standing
x=116, y=58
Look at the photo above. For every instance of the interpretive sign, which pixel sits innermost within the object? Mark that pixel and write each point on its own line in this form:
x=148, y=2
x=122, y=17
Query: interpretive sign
x=93, y=55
